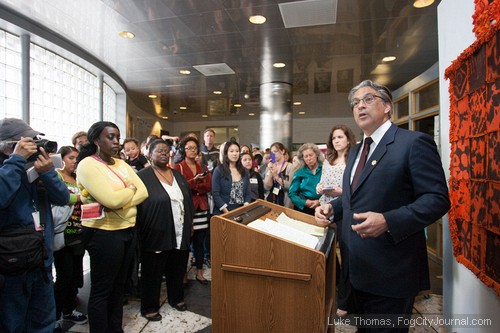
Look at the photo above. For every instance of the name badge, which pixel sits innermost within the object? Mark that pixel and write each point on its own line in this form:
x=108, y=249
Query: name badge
x=253, y=181
x=36, y=221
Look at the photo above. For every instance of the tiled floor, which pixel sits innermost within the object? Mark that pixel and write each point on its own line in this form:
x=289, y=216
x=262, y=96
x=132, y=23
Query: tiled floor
x=197, y=317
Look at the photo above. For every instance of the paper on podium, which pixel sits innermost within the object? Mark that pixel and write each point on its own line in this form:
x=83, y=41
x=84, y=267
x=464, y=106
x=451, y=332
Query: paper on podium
x=284, y=231
x=299, y=225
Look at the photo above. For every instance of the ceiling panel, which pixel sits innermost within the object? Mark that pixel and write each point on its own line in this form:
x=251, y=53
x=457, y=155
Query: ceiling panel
x=178, y=34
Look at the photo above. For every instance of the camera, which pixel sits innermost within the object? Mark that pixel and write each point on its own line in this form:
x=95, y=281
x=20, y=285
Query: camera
x=49, y=146
x=272, y=157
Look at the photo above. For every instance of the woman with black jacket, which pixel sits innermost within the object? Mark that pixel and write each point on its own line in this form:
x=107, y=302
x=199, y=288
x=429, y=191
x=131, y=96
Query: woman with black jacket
x=165, y=226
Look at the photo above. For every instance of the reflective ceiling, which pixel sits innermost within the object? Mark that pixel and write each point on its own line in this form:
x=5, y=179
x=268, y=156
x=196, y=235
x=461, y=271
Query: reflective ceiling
x=322, y=61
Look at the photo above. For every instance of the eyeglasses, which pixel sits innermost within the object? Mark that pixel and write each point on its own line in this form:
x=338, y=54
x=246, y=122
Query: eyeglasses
x=368, y=99
x=191, y=148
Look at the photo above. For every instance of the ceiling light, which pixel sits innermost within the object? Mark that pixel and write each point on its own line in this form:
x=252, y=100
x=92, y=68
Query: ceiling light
x=302, y=112
x=126, y=34
x=164, y=117
x=297, y=103
x=388, y=59
x=251, y=114
x=422, y=3
x=204, y=116
x=237, y=105
x=182, y=107
x=279, y=65
x=257, y=19
x=152, y=96
x=217, y=92
x=184, y=72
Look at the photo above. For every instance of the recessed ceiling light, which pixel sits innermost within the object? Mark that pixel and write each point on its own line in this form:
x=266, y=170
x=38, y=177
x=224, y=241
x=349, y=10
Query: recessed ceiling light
x=257, y=19
x=302, y=112
x=126, y=34
x=251, y=114
x=388, y=59
x=422, y=3
x=185, y=72
x=217, y=92
x=164, y=117
x=279, y=65
x=182, y=107
x=237, y=105
x=204, y=116
x=152, y=96
x=297, y=103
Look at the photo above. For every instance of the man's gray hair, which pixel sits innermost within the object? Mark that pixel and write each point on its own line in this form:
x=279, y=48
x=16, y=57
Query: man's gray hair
x=384, y=92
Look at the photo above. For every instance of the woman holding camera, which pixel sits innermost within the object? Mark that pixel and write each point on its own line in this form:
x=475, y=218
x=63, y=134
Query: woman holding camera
x=115, y=190
x=200, y=182
x=279, y=176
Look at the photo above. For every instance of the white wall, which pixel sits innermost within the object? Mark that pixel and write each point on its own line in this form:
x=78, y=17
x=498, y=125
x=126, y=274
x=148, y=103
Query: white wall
x=463, y=293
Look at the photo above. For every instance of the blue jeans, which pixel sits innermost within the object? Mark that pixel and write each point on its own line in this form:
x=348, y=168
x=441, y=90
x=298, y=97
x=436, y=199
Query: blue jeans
x=27, y=303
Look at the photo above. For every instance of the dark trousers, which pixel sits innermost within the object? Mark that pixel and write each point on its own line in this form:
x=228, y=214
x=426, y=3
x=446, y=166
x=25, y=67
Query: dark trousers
x=384, y=308
x=132, y=284
x=69, y=277
x=206, y=245
x=110, y=255
x=198, y=246
x=154, y=265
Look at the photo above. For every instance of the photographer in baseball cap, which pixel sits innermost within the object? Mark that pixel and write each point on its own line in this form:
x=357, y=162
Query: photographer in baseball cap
x=11, y=132
x=27, y=297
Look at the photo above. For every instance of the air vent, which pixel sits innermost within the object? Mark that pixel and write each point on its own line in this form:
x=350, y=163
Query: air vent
x=308, y=13
x=214, y=69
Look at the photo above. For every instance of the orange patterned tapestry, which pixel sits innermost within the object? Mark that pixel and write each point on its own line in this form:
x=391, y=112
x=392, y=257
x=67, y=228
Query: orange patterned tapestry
x=474, y=217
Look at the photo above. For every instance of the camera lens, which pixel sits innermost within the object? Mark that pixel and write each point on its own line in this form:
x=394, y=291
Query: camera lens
x=49, y=146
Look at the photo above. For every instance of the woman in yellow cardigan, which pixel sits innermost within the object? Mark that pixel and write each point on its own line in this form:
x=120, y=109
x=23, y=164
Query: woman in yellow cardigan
x=109, y=238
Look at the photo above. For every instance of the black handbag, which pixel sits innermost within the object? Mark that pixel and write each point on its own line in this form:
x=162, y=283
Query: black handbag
x=21, y=250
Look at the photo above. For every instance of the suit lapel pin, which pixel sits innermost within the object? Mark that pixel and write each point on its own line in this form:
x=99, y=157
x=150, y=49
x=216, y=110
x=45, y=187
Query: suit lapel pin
x=374, y=162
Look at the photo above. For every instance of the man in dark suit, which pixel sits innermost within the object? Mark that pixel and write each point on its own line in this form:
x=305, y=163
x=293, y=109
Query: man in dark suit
x=398, y=189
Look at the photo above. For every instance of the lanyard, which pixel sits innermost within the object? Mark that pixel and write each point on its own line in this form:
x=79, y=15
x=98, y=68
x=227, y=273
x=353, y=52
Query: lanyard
x=113, y=171
x=279, y=173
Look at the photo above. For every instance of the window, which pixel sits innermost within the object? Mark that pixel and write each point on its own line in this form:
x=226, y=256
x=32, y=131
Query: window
x=109, y=104
x=64, y=96
x=419, y=109
x=10, y=75
x=427, y=97
x=401, y=108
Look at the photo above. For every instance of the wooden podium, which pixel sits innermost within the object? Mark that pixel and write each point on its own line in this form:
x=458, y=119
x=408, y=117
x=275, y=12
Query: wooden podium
x=262, y=283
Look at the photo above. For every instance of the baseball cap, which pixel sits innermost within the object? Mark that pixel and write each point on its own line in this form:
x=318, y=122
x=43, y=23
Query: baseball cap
x=14, y=129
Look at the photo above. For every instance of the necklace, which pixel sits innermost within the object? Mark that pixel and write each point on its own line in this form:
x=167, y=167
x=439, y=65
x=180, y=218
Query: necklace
x=110, y=161
x=162, y=175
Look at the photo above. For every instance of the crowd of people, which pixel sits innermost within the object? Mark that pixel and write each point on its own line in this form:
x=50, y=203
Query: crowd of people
x=151, y=202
